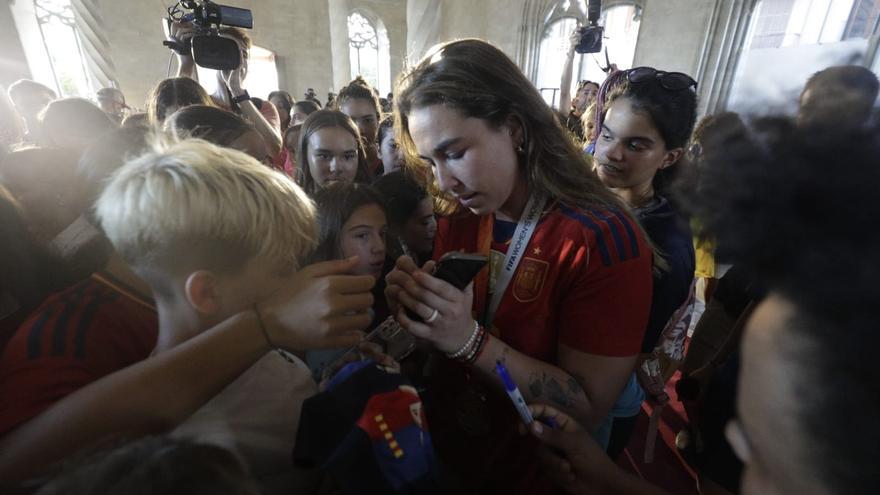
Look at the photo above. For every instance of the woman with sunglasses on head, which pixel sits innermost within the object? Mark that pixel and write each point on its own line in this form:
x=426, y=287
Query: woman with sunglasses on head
x=645, y=120
x=565, y=303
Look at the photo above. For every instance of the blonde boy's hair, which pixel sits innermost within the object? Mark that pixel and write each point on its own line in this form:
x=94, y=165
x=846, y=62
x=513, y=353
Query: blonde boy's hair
x=191, y=205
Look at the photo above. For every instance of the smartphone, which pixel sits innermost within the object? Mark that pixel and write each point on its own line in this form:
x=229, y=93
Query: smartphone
x=388, y=335
x=458, y=269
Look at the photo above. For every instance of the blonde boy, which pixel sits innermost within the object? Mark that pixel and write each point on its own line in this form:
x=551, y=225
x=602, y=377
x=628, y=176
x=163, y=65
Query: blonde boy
x=214, y=232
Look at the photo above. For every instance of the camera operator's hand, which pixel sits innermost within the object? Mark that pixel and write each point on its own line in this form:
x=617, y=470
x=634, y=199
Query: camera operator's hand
x=573, y=40
x=182, y=33
x=234, y=80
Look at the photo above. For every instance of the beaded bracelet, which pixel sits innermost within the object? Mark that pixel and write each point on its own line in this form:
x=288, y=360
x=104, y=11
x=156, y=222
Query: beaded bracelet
x=467, y=345
x=471, y=356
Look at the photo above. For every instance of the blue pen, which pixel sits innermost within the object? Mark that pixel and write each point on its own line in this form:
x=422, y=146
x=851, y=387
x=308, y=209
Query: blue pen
x=514, y=394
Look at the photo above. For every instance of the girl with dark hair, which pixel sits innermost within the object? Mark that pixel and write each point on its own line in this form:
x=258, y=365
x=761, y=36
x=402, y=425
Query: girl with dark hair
x=411, y=222
x=284, y=104
x=330, y=150
x=647, y=119
x=351, y=222
x=389, y=151
x=221, y=128
x=565, y=302
x=359, y=101
x=301, y=110
x=173, y=94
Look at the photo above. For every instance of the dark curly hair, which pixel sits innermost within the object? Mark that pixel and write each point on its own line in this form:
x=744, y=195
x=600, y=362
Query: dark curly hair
x=798, y=206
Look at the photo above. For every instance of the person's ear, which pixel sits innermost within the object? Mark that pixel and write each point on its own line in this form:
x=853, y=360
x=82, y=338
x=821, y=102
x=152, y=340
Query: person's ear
x=515, y=129
x=202, y=292
x=671, y=157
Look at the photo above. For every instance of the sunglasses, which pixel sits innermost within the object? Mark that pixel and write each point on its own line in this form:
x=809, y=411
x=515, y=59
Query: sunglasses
x=672, y=81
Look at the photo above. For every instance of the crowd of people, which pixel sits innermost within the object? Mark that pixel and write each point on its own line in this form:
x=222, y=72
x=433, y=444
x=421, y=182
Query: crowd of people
x=231, y=294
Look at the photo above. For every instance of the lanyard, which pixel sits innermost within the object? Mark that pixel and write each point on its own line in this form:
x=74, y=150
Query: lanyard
x=518, y=244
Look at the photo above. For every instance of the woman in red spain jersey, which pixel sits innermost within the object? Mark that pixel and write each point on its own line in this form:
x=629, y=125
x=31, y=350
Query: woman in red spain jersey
x=565, y=302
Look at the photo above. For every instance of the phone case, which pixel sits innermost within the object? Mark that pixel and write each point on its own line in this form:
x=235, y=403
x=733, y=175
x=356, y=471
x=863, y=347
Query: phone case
x=458, y=269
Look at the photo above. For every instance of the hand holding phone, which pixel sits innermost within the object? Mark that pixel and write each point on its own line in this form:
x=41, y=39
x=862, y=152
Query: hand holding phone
x=456, y=268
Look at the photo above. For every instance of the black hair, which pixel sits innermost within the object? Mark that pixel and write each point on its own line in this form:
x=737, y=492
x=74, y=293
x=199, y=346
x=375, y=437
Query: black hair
x=402, y=195
x=799, y=207
x=853, y=77
x=209, y=123
x=308, y=106
x=673, y=113
x=360, y=89
x=839, y=96
x=336, y=203
x=174, y=92
x=386, y=126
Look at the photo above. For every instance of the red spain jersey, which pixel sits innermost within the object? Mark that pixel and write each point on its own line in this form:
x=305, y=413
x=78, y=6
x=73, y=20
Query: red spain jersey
x=584, y=281
x=77, y=336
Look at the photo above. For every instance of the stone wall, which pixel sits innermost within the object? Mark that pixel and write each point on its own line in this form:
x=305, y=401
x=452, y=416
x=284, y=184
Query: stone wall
x=672, y=34
x=13, y=64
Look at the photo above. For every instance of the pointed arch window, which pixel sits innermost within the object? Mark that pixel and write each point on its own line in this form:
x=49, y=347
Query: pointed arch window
x=621, y=24
x=369, y=53
x=363, y=45
x=56, y=21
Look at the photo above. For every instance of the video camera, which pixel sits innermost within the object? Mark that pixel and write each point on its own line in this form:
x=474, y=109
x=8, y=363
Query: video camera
x=591, y=36
x=208, y=48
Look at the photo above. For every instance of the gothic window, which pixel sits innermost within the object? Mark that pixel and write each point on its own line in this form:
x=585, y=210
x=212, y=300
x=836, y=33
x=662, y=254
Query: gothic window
x=621, y=23
x=783, y=23
x=60, y=36
x=363, y=45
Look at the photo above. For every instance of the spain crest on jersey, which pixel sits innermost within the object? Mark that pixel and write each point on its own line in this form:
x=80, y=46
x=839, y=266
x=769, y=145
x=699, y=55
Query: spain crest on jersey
x=530, y=279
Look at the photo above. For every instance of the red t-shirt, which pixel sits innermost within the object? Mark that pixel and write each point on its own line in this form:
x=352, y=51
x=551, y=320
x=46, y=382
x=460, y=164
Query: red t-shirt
x=77, y=336
x=584, y=281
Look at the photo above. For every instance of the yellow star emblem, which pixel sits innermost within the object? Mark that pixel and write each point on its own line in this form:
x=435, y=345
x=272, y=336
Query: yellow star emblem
x=537, y=251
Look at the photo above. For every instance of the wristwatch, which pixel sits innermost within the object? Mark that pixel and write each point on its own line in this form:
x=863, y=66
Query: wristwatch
x=240, y=98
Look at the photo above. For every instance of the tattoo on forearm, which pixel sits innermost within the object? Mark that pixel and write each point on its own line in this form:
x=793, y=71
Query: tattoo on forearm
x=504, y=351
x=543, y=385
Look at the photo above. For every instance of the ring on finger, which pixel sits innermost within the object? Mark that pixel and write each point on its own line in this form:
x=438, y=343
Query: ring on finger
x=433, y=317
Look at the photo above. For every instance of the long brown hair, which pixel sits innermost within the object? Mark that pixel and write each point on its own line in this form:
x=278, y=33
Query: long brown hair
x=174, y=92
x=314, y=123
x=480, y=81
